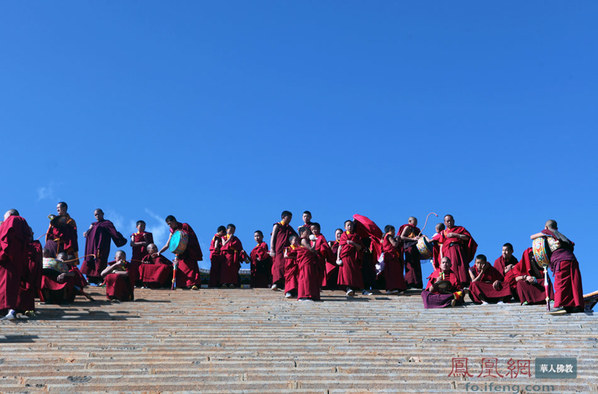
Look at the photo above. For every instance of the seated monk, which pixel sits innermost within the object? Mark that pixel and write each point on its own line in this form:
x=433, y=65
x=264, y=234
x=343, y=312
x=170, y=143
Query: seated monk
x=291, y=270
x=529, y=280
x=119, y=279
x=61, y=282
x=443, y=288
x=506, y=261
x=486, y=283
x=155, y=270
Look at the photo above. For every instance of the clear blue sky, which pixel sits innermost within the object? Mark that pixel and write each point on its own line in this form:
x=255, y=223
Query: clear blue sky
x=230, y=112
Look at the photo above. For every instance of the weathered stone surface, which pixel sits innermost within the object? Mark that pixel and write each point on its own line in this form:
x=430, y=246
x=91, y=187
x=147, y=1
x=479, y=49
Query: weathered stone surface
x=253, y=340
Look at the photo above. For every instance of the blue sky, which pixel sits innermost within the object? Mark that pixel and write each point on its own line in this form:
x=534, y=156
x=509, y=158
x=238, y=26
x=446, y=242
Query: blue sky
x=230, y=112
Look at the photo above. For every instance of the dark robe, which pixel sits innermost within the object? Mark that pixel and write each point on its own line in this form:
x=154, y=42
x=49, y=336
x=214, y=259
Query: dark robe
x=568, y=291
x=97, y=242
x=281, y=241
x=325, y=255
x=483, y=289
x=349, y=274
x=233, y=256
x=261, y=266
x=120, y=287
x=435, y=299
x=413, y=267
x=216, y=261
x=310, y=271
x=187, y=270
x=331, y=269
x=62, y=236
x=393, y=266
x=459, y=251
x=500, y=263
x=291, y=269
x=436, y=251
x=155, y=271
x=139, y=252
x=15, y=236
x=532, y=293
x=31, y=278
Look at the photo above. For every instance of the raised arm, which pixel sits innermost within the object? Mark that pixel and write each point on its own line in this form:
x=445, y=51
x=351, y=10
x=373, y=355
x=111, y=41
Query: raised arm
x=165, y=246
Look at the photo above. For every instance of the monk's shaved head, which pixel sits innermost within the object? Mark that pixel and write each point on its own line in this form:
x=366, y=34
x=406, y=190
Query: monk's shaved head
x=551, y=224
x=152, y=248
x=11, y=212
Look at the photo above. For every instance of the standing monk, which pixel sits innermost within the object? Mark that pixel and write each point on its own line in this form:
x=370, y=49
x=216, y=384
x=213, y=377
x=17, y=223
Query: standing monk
x=216, y=257
x=458, y=245
x=306, y=220
x=348, y=257
x=261, y=262
x=139, y=242
x=31, y=278
x=409, y=234
x=187, y=271
x=309, y=264
x=15, y=236
x=281, y=232
x=232, y=250
x=331, y=275
x=436, y=257
x=97, y=246
x=568, y=292
x=324, y=252
x=393, y=262
x=62, y=233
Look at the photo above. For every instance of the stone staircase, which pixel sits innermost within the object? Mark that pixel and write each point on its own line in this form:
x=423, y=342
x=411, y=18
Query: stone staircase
x=253, y=340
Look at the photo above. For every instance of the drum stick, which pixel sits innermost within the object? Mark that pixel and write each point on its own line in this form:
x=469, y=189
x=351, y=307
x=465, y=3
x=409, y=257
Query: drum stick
x=77, y=259
x=426, y=222
x=546, y=289
x=43, y=235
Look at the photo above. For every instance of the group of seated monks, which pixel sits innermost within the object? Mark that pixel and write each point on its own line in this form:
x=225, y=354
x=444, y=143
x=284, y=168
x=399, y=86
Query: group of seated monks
x=300, y=263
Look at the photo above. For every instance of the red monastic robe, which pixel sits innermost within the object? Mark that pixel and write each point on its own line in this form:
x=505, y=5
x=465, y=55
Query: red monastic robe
x=500, y=263
x=62, y=236
x=532, y=293
x=350, y=271
x=291, y=270
x=330, y=278
x=310, y=270
x=460, y=252
x=155, y=271
x=261, y=266
x=281, y=241
x=433, y=299
x=15, y=235
x=233, y=256
x=97, y=243
x=31, y=278
x=187, y=270
x=121, y=287
x=413, y=267
x=483, y=290
x=216, y=261
x=393, y=266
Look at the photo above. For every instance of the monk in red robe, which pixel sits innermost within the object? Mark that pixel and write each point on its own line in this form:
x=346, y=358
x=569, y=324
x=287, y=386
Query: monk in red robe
x=155, y=271
x=330, y=279
x=31, y=279
x=529, y=280
x=486, y=283
x=187, y=270
x=15, y=235
x=310, y=267
x=62, y=233
x=234, y=255
x=409, y=234
x=568, y=292
x=139, y=242
x=306, y=220
x=97, y=246
x=393, y=262
x=281, y=232
x=61, y=279
x=291, y=269
x=436, y=255
x=321, y=246
x=261, y=263
x=506, y=261
x=119, y=279
x=459, y=246
x=216, y=257
x=349, y=259
x=443, y=288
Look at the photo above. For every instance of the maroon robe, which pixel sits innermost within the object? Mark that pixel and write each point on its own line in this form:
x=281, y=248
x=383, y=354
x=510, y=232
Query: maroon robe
x=532, y=293
x=330, y=277
x=291, y=269
x=62, y=236
x=325, y=255
x=15, y=236
x=281, y=241
x=483, y=290
x=460, y=252
x=216, y=261
x=413, y=267
x=393, y=266
x=140, y=251
x=233, y=256
x=500, y=263
x=434, y=299
x=350, y=271
x=261, y=266
x=155, y=271
x=31, y=278
x=120, y=287
x=568, y=291
x=187, y=270
x=97, y=242
x=436, y=251
x=309, y=278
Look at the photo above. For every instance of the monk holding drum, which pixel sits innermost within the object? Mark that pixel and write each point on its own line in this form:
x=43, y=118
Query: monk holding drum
x=184, y=244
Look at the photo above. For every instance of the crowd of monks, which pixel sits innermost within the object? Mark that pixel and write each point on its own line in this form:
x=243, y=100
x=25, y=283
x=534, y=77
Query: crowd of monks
x=299, y=263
